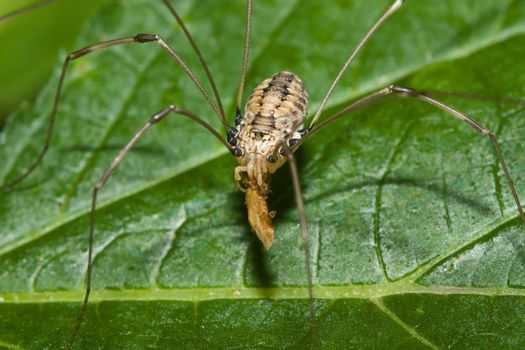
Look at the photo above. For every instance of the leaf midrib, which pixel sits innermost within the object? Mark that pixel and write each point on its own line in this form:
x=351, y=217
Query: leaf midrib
x=200, y=294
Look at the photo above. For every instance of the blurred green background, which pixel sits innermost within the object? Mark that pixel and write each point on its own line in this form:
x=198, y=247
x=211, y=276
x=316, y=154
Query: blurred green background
x=31, y=43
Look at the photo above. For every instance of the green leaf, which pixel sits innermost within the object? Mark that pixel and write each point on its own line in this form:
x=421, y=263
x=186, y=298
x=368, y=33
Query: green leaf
x=30, y=45
x=415, y=238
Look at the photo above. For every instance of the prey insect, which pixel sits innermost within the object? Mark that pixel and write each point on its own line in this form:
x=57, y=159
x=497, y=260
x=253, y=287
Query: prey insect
x=263, y=138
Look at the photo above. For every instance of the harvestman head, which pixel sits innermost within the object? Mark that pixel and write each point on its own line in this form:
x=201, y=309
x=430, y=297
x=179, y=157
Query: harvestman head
x=263, y=139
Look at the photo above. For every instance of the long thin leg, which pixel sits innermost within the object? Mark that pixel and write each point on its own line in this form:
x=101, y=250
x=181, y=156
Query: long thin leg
x=480, y=129
x=201, y=59
x=247, y=34
x=157, y=117
x=205, y=66
x=401, y=91
x=139, y=38
x=304, y=235
x=25, y=9
x=389, y=12
x=504, y=100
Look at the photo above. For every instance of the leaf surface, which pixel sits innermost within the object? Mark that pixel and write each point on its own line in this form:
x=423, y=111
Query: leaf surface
x=415, y=237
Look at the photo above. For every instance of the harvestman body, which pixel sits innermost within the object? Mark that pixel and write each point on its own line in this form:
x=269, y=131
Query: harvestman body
x=274, y=112
x=262, y=140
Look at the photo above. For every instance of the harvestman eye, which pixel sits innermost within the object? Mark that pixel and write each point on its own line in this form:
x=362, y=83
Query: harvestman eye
x=262, y=139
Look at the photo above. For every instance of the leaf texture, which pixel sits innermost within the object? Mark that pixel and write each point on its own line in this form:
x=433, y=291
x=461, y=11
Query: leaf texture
x=415, y=237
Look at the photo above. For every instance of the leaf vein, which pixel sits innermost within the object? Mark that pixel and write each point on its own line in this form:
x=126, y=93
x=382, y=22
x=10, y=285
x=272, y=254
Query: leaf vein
x=403, y=325
x=378, y=197
x=172, y=233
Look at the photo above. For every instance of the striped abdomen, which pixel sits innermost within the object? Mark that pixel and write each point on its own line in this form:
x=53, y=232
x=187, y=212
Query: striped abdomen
x=278, y=103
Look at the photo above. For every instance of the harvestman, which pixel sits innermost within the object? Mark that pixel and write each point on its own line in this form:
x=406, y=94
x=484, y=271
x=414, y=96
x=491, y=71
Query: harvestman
x=262, y=140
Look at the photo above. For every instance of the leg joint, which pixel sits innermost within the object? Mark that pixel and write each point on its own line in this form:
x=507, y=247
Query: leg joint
x=402, y=90
x=145, y=38
x=98, y=186
x=79, y=53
